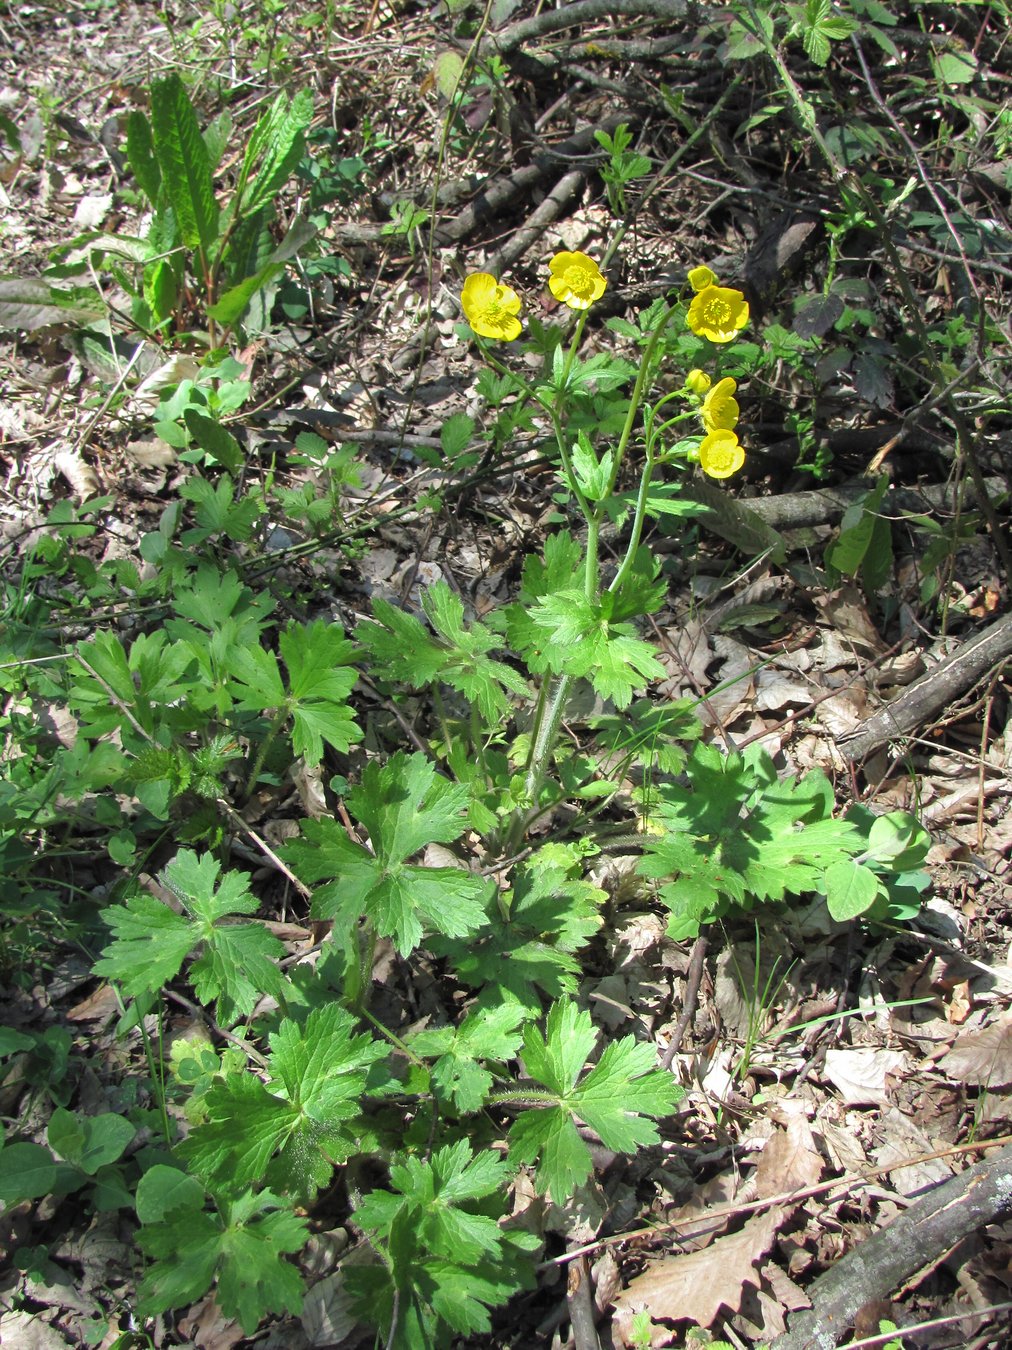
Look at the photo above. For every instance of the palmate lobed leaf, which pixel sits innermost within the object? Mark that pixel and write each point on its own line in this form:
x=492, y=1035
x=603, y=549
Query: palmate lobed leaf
x=190, y=1248
x=151, y=942
x=616, y=1098
x=294, y=1129
x=525, y=944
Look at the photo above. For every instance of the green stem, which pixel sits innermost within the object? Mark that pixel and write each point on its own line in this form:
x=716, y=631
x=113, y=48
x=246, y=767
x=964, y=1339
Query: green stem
x=523, y=1097
x=545, y=734
x=280, y=717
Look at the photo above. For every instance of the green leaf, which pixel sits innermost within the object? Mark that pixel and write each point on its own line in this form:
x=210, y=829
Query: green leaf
x=278, y=144
x=89, y=1142
x=404, y=806
x=29, y=303
x=229, y=309
x=140, y=149
x=12, y=1041
x=446, y=1258
x=237, y=963
x=616, y=1098
x=240, y=1248
x=162, y=1189
x=447, y=72
x=215, y=440
x=292, y=1130
x=27, y=1171
x=955, y=67
x=527, y=941
x=485, y=1034
x=899, y=840
x=184, y=163
x=455, y=435
x=319, y=660
x=850, y=889
x=735, y=834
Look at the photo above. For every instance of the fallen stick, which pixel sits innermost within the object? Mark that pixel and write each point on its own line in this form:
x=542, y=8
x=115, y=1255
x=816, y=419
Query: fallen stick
x=920, y=701
x=880, y=1265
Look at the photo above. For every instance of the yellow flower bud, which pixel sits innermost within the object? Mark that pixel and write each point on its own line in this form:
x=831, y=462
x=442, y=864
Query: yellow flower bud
x=701, y=277
x=697, y=381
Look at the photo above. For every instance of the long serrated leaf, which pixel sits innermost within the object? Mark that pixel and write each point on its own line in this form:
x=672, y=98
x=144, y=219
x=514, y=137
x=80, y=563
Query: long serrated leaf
x=183, y=159
x=281, y=145
x=140, y=149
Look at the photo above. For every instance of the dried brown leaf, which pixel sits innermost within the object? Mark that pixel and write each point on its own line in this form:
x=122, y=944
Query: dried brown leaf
x=983, y=1058
x=790, y=1161
x=695, y=1288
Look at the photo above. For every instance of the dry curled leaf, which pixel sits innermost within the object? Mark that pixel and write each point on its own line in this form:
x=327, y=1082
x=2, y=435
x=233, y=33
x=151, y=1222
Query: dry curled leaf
x=696, y=1287
x=983, y=1058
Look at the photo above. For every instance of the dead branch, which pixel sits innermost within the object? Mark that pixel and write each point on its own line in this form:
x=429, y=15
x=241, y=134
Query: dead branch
x=528, y=31
x=926, y=697
x=915, y=1239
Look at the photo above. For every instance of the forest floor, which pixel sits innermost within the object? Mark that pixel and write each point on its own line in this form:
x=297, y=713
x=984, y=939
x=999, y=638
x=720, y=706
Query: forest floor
x=835, y=1076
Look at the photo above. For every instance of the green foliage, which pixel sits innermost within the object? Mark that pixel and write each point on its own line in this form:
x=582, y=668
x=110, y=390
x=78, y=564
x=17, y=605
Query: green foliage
x=151, y=941
x=404, y=805
x=195, y=684
x=290, y=1131
x=445, y=1258
x=235, y=1248
x=738, y=835
x=457, y=656
x=618, y=1098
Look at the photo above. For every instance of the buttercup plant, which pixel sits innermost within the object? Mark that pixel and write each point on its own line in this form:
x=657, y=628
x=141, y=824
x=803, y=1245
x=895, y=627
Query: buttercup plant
x=583, y=629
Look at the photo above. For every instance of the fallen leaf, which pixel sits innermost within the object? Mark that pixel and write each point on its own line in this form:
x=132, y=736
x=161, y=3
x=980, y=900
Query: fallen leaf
x=860, y=1075
x=789, y=1161
x=982, y=1058
x=695, y=1288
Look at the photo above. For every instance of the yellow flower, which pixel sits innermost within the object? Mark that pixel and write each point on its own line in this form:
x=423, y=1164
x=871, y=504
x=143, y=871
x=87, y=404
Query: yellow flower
x=576, y=280
x=720, y=455
x=701, y=277
x=718, y=313
x=489, y=308
x=697, y=381
x=720, y=407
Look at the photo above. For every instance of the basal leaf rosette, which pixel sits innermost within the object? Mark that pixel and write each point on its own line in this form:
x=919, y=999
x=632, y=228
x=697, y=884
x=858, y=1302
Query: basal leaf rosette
x=718, y=313
x=575, y=280
x=491, y=308
x=720, y=407
x=720, y=455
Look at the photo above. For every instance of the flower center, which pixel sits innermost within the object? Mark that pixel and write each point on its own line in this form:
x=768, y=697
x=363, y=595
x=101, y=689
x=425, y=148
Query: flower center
x=718, y=312
x=576, y=279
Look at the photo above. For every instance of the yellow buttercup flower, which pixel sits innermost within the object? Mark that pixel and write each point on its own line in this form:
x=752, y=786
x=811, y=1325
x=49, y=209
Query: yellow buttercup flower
x=718, y=313
x=490, y=308
x=697, y=381
x=701, y=277
x=720, y=407
x=720, y=455
x=576, y=280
